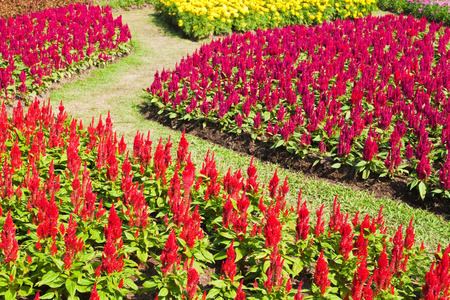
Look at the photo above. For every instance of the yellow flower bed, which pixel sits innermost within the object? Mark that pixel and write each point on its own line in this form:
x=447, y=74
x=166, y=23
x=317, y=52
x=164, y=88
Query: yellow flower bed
x=200, y=18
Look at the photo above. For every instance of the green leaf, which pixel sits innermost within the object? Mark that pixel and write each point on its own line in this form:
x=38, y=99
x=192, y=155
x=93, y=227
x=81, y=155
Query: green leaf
x=48, y=278
x=163, y=292
x=422, y=189
x=150, y=284
x=218, y=283
x=336, y=165
x=71, y=286
x=130, y=283
x=10, y=295
x=365, y=174
x=212, y=293
x=279, y=143
x=361, y=163
x=48, y=295
x=142, y=256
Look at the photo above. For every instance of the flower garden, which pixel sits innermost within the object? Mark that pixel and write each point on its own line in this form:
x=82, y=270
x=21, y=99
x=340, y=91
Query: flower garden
x=84, y=215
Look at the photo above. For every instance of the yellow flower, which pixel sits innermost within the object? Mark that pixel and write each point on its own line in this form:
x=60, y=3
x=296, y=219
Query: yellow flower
x=180, y=23
x=243, y=24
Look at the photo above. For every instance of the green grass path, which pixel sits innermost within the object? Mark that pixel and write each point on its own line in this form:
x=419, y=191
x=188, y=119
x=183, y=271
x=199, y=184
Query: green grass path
x=119, y=88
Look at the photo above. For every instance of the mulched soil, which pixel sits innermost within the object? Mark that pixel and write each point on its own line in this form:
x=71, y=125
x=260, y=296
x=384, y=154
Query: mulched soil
x=396, y=189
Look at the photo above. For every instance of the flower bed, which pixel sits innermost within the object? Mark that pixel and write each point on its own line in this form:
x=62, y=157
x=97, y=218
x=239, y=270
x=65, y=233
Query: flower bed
x=201, y=18
x=433, y=10
x=43, y=47
x=13, y=8
x=371, y=93
x=80, y=216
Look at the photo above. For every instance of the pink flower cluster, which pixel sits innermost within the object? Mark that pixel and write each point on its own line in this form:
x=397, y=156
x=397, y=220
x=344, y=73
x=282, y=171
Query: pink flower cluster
x=35, y=46
x=375, y=86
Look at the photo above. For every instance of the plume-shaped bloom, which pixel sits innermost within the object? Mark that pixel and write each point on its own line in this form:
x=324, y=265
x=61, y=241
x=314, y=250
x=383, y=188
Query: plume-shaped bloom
x=9, y=243
x=170, y=254
x=321, y=274
x=229, y=266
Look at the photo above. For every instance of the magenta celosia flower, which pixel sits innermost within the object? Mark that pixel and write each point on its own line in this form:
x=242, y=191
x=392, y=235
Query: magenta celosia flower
x=9, y=243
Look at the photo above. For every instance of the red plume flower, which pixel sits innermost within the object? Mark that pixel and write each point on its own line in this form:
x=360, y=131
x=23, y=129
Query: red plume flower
x=240, y=295
x=169, y=254
x=320, y=225
x=272, y=230
x=321, y=274
x=94, y=294
x=302, y=226
x=409, y=238
x=229, y=266
x=9, y=243
x=192, y=281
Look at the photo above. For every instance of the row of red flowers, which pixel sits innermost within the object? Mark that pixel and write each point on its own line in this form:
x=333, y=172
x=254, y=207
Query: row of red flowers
x=81, y=216
x=372, y=93
x=40, y=48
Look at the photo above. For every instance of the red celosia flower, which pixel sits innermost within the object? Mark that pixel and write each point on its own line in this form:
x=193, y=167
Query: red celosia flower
x=229, y=266
x=272, y=229
x=182, y=149
x=169, y=254
x=382, y=274
x=113, y=230
x=9, y=243
x=273, y=185
x=346, y=244
x=188, y=177
x=37, y=296
x=321, y=274
x=73, y=245
x=192, y=230
x=397, y=251
x=298, y=295
x=409, y=238
x=240, y=295
x=227, y=212
x=359, y=279
x=192, y=281
x=320, y=225
x=110, y=263
x=94, y=294
x=336, y=217
x=431, y=288
x=302, y=226
x=360, y=245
